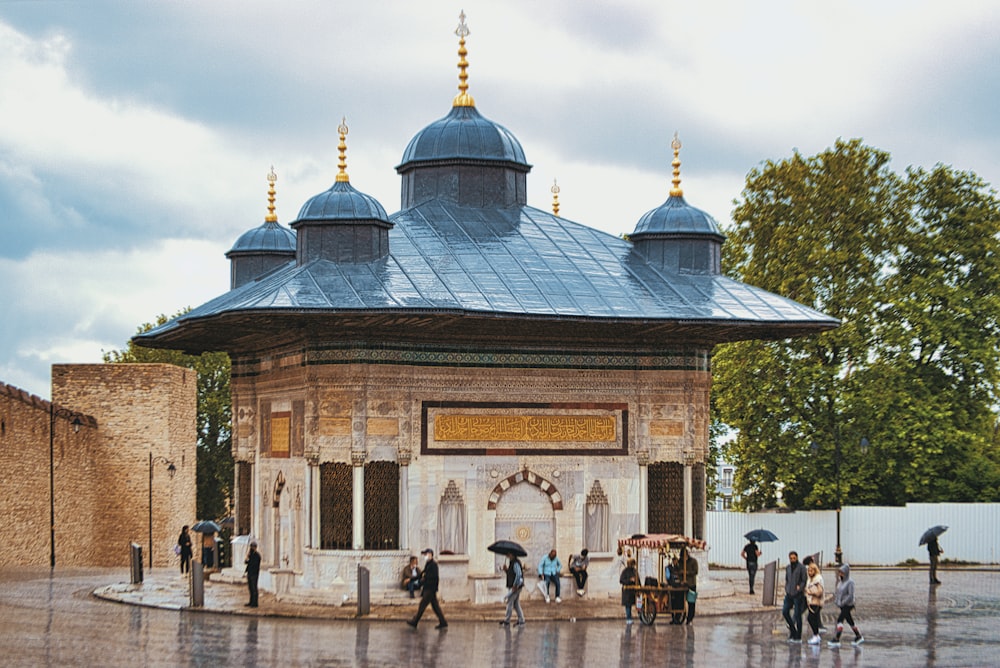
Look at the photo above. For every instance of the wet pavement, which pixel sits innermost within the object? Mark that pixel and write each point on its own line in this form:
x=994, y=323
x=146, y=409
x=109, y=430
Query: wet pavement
x=58, y=621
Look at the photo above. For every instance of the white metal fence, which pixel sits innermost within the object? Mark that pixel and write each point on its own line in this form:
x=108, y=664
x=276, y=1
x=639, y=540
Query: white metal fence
x=881, y=536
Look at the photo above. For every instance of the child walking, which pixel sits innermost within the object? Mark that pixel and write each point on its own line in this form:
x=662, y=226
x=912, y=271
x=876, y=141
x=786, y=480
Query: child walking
x=843, y=597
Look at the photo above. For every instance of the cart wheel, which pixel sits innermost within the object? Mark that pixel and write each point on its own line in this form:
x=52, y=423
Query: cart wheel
x=647, y=612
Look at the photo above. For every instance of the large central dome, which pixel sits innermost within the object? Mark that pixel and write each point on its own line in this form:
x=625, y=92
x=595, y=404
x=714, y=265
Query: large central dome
x=464, y=134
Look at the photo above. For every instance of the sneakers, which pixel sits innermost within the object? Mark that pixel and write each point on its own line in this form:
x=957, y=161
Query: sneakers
x=546, y=599
x=795, y=641
x=505, y=623
x=834, y=644
x=858, y=641
x=579, y=592
x=412, y=623
x=815, y=640
x=628, y=622
x=558, y=600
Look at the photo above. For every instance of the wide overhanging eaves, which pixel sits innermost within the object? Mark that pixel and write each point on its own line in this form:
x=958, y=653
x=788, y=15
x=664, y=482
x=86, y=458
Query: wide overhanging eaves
x=254, y=329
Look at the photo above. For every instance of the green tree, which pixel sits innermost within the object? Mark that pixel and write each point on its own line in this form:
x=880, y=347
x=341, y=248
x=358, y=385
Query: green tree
x=215, y=461
x=909, y=266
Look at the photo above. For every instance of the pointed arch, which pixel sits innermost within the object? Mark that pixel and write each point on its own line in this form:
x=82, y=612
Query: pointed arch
x=531, y=478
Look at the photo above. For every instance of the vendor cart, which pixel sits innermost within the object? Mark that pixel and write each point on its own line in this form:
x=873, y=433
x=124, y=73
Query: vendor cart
x=657, y=593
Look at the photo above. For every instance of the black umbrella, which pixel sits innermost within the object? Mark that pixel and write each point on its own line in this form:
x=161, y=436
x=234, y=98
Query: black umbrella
x=507, y=547
x=760, y=536
x=933, y=532
x=206, y=526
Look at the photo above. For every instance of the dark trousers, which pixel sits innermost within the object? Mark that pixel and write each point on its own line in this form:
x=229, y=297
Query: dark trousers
x=845, y=616
x=934, y=562
x=185, y=563
x=796, y=604
x=752, y=572
x=581, y=579
x=690, y=605
x=252, y=586
x=814, y=619
x=432, y=599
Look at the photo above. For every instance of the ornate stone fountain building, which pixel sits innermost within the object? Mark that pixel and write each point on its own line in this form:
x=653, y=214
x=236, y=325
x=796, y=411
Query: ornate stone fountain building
x=470, y=368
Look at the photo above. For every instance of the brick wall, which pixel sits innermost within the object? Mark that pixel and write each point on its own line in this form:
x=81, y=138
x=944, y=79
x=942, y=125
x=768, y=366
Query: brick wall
x=129, y=412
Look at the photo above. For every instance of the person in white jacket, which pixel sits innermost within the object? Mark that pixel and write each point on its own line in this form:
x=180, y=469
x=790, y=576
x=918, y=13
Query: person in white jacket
x=843, y=597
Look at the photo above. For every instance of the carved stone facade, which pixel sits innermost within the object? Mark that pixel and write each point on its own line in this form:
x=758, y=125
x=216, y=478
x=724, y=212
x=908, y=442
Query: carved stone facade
x=491, y=451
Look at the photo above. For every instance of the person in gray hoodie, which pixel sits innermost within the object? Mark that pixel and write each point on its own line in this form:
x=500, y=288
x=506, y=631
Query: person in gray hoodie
x=843, y=597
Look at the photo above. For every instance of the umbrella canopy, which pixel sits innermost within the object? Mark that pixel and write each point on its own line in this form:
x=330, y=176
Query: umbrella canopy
x=760, y=536
x=206, y=526
x=507, y=547
x=933, y=532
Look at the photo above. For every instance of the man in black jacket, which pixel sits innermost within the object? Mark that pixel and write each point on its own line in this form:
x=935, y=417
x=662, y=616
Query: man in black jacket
x=252, y=573
x=429, y=584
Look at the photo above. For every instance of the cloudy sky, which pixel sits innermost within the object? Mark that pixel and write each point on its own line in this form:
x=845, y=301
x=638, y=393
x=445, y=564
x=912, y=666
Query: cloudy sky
x=135, y=136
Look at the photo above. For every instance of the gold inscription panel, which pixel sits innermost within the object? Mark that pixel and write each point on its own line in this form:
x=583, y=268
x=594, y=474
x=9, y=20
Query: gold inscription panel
x=546, y=428
x=497, y=428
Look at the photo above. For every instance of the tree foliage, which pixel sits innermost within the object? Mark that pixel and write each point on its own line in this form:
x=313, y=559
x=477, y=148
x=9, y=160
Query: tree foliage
x=214, y=421
x=909, y=264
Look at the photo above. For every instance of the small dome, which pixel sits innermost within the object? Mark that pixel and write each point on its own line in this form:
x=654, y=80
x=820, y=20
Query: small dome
x=463, y=134
x=342, y=202
x=271, y=237
x=676, y=216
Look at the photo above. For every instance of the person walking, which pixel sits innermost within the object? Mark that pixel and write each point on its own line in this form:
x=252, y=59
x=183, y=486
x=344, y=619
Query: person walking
x=184, y=543
x=690, y=565
x=428, y=593
x=843, y=597
x=515, y=583
x=795, y=596
x=549, y=569
x=578, y=564
x=676, y=583
x=814, y=600
x=750, y=554
x=628, y=579
x=253, y=573
x=933, y=551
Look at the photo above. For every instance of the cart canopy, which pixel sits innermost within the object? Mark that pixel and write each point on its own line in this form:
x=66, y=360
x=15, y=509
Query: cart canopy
x=658, y=540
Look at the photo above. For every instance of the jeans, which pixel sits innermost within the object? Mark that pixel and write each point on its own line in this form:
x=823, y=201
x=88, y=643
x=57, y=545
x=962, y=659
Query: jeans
x=552, y=579
x=798, y=604
x=514, y=605
x=752, y=572
x=581, y=579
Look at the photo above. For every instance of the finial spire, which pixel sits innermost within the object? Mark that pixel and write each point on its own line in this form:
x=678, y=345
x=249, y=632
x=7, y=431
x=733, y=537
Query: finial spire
x=271, y=216
x=555, y=197
x=342, y=147
x=676, y=190
x=463, y=99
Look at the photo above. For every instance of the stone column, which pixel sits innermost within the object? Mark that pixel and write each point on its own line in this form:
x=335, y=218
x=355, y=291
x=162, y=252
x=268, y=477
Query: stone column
x=358, y=462
x=312, y=498
x=642, y=457
x=405, y=455
x=688, y=493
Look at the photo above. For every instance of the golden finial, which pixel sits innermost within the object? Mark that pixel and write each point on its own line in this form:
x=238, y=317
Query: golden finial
x=555, y=197
x=342, y=147
x=463, y=99
x=676, y=190
x=271, y=216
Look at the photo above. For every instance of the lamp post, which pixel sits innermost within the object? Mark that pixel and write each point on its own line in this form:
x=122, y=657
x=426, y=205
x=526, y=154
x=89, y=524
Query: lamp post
x=838, y=554
x=171, y=469
x=77, y=423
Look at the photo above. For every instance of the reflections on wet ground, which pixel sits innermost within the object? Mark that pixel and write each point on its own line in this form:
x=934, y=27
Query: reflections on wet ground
x=54, y=621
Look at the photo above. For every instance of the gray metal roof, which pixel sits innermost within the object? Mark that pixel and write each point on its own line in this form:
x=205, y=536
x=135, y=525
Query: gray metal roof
x=517, y=263
x=676, y=216
x=463, y=133
x=271, y=237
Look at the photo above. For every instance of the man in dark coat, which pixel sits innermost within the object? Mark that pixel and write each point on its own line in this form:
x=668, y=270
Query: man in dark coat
x=252, y=573
x=429, y=584
x=933, y=551
x=795, y=597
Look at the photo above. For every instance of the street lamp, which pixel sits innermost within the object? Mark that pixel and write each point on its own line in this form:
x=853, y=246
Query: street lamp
x=171, y=469
x=77, y=423
x=838, y=554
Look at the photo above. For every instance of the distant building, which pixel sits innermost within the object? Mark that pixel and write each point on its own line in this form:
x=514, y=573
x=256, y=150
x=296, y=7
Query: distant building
x=470, y=368
x=724, y=496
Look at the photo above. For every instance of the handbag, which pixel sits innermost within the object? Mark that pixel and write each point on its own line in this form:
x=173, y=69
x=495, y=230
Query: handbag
x=692, y=596
x=177, y=549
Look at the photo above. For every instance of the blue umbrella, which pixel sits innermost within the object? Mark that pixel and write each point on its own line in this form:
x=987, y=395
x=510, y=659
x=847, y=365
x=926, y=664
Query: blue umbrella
x=760, y=536
x=933, y=532
x=206, y=526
